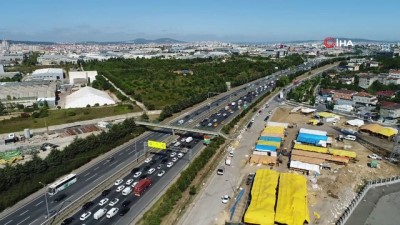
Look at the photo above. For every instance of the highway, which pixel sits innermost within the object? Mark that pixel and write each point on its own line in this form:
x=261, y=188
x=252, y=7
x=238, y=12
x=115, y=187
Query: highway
x=34, y=212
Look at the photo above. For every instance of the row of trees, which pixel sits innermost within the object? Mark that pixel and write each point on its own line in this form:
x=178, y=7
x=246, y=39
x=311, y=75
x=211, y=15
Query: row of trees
x=21, y=180
x=305, y=91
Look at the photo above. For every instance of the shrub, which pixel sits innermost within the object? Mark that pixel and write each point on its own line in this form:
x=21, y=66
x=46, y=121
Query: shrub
x=71, y=113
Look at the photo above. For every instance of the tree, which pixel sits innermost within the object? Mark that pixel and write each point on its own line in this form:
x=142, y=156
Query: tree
x=2, y=109
x=144, y=117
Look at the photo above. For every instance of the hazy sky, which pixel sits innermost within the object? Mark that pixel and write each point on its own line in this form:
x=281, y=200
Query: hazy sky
x=190, y=20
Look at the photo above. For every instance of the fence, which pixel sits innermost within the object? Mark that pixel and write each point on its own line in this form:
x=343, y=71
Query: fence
x=234, y=204
x=360, y=196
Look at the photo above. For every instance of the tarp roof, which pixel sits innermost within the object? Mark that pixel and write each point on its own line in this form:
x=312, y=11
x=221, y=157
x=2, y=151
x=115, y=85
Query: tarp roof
x=338, y=152
x=312, y=139
x=280, y=135
x=274, y=130
x=378, y=129
x=355, y=122
x=307, y=110
x=306, y=159
x=265, y=148
x=327, y=115
x=264, y=159
x=263, y=197
x=88, y=96
x=269, y=138
x=277, y=124
x=270, y=143
x=311, y=131
x=291, y=207
x=310, y=148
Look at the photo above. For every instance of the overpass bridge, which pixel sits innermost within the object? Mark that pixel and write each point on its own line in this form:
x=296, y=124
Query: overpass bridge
x=173, y=128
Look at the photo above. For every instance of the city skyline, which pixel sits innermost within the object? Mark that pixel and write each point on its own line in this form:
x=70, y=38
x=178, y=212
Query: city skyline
x=239, y=21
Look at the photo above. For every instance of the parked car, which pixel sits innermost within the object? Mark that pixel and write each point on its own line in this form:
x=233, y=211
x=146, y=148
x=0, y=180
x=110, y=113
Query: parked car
x=225, y=199
x=170, y=164
x=87, y=205
x=375, y=156
x=161, y=173
x=129, y=182
x=85, y=215
x=137, y=174
x=120, y=188
x=118, y=182
x=103, y=201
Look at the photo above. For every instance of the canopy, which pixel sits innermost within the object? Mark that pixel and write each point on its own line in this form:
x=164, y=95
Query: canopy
x=345, y=153
x=263, y=196
x=270, y=143
x=269, y=138
x=265, y=148
x=277, y=124
x=274, y=129
x=327, y=115
x=88, y=96
x=311, y=139
x=313, y=121
x=310, y=148
x=355, y=122
x=291, y=207
x=378, y=129
x=310, y=131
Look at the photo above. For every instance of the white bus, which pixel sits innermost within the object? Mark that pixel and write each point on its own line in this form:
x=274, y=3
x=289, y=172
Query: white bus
x=62, y=184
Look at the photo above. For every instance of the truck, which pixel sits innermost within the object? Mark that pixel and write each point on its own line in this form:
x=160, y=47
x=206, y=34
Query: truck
x=141, y=186
x=228, y=161
x=99, y=213
x=281, y=95
x=189, y=139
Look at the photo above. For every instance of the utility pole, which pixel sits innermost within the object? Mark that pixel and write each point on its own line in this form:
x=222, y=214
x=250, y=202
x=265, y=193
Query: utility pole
x=45, y=198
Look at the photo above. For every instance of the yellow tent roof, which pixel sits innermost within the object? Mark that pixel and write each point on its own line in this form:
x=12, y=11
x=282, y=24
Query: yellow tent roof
x=270, y=143
x=327, y=114
x=274, y=130
x=310, y=148
x=313, y=121
x=292, y=205
x=378, y=129
x=338, y=152
x=263, y=197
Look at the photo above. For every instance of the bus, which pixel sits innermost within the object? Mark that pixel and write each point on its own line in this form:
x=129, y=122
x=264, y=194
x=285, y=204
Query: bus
x=62, y=184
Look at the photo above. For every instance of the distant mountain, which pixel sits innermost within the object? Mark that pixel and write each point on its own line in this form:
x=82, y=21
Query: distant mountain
x=32, y=42
x=135, y=41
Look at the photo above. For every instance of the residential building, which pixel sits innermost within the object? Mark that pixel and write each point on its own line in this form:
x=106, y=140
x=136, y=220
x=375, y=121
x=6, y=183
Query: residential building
x=363, y=98
x=394, y=73
x=346, y=79
x=391, y=80
x=343, y=97
x=373, y=64
x=385, y=94
x=390, y=111
x=367, y=80
x=353, y=67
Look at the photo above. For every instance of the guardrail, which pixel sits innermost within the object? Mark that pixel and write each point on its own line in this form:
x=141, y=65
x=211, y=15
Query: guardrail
x=360, y=196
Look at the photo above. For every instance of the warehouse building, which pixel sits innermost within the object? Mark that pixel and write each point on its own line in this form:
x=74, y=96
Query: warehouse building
x=47, y=74
x=82, y=77
x=88, y=96
x=27, y=93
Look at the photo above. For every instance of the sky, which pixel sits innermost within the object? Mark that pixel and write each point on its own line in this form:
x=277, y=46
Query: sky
x=200, y=20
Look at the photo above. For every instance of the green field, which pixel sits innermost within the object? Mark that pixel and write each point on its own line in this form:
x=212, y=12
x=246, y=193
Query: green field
x=61, y=116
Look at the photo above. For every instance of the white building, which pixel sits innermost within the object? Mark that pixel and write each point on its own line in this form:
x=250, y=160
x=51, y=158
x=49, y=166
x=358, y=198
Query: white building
x=82, y=77
x=366, y=80
x=365, y=99
x=88, y=96
x=48, y=74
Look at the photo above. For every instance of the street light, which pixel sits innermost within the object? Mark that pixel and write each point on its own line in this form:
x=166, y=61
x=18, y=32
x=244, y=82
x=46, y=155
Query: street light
x=45, y=198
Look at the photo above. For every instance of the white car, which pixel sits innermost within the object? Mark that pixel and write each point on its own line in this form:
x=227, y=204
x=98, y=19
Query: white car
x=85, y=215
x=173, y=154
x=174, y=159
x=114, y=202
x=112, y=212
x=129, y=182
x=120, y=188
x=225, y=199
x=151, y=171
x=134, y=184
x=209, y=124
x=190, y=121
x=170, y=164
x=118, y=182
x=375, y=156
x=215, y=120
x=198, y=125
x=103, y=201
x=148, y=160
x=161, y=173
x=137, y=174
x=180, y=155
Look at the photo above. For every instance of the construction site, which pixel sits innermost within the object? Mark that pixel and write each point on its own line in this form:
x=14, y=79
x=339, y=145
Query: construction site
x=311, y=162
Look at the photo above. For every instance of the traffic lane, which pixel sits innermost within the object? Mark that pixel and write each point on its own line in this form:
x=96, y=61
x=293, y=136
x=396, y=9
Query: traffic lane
x=37, y=208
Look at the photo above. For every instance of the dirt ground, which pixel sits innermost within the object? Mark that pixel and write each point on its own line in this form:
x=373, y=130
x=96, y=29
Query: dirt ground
x=331, y=191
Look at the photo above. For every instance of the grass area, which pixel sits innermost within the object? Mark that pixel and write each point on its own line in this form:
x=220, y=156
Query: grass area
x=61, y=116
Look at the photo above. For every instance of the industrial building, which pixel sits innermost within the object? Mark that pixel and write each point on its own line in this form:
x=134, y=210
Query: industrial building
x=47, y=74
x=82, y=77
x=27, y=93
x=88, y=96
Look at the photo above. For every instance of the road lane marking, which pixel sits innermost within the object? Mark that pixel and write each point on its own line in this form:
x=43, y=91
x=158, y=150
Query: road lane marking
x=8, y=222
x=23, y=220
x=96, y=168
x=130, y=152
x=112, y=163
x=121, y=153
x=33, y=222
x=98, y=178
x=91, y=177
x=86, y=174
x=69, y=197
x=24, y=212
x=39, y=203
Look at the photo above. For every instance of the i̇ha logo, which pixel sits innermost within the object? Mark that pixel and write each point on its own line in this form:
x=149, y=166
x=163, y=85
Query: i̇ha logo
x=331, y=42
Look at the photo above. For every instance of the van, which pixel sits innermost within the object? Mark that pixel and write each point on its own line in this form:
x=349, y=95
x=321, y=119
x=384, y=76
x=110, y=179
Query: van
x=99, y=213
x=127, y=191
x=221, y=170
x=228, y=161
x=350, y=137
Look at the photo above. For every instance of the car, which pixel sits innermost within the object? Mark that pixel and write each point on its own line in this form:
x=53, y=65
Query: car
x=137, y=174
x=173, y=154
x=114, y=202
x=225, y=115
x=148, y=160
x=118, y=182
x=215, y=120
x=350, y=137
x=67, y=221
x=225, y=199
x=218, y=114
x=177, y=144
x=250, y=178
x=60, y=197
x=209, y=124
x=87, y=205
x=85, y=215
x=180, y=155
x=135, y=170
x=112, y=212
x=124, y=211
x=129, y=182
x=126, y=203
x=174, y=159
x=160, y=166
x=161, y=173
x=103, y=201
x=221, y=170
x=170, y=164
x=151, y=171
x=120, y=188
x=375, y=156
x=134, y=184
x=190, y=121
x=105, y=192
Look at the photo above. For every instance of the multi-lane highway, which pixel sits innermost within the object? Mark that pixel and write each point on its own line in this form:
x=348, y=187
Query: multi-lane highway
x=34, y=212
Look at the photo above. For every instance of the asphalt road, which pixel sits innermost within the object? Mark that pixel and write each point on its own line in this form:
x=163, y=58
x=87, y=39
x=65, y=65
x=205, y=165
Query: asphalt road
x=34, y=212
